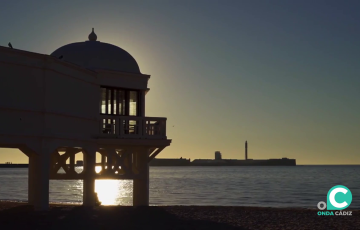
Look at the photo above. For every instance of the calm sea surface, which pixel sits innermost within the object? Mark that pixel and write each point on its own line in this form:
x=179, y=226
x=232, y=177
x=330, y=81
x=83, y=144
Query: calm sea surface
x=300, y=186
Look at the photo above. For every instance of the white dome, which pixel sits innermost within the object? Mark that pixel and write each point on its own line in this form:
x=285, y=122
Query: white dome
x=97, y=55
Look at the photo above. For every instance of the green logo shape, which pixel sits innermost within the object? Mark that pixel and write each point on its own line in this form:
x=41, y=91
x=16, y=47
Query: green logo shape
x=339, y=197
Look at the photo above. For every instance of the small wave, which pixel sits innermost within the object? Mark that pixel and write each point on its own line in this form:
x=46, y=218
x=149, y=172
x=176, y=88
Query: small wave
x=13, y=200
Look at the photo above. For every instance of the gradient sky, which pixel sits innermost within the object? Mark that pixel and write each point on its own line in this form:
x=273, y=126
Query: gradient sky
x=283, y=75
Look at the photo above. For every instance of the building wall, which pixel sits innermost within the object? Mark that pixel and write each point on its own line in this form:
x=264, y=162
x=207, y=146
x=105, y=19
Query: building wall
x=18, y=122
x=21, y=93
x=72, y=104
x=43, y=96
x=21, y=85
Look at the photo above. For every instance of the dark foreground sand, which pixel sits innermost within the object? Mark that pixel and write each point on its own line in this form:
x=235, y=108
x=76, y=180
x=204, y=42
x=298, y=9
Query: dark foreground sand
x=66, y=217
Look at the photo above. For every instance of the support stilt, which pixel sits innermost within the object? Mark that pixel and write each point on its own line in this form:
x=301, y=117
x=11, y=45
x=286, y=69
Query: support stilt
x=31, y=175
x=89, y=198
x=141, y=185
x=39, y=172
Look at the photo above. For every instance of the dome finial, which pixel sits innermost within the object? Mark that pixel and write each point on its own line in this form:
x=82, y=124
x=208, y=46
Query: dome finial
x=92, y=36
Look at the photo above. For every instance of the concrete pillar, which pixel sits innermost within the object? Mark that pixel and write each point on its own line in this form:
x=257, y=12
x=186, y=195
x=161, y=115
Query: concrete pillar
x=89, y=198
x=31, y=180
x=39, y=172
x=141, y=185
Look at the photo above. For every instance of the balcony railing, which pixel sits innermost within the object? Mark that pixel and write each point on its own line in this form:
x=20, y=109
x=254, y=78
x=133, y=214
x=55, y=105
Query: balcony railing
x=132, y=127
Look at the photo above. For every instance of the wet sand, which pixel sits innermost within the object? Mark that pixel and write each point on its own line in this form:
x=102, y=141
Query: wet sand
x=21, y=216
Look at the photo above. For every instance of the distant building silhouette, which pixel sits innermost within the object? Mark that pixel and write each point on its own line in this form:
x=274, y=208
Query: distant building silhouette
x=218, y=155
x=246, y=150
x=218, y=161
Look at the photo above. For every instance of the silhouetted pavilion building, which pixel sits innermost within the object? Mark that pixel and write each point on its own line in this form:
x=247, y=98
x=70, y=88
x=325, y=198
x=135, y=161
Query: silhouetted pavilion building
x=86, y=97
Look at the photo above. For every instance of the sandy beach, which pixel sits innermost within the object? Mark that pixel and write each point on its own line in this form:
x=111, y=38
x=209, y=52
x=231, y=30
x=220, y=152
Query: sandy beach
x=21, y=216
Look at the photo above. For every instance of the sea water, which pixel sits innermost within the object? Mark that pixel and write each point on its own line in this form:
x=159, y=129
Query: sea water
x=266, y=186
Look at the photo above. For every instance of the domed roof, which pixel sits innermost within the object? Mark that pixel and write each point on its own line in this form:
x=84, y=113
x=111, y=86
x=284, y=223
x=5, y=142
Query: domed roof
x=93, y=54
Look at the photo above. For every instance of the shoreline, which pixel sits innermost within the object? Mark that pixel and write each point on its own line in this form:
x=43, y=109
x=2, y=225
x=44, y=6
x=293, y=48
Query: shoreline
x=6, y=203
x=20, y=215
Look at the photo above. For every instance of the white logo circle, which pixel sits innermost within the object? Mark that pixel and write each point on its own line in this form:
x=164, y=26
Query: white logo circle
x=332, y=197
x=321, y=203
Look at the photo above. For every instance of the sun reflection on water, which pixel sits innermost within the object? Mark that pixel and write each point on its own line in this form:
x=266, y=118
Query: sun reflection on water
x=114, y=192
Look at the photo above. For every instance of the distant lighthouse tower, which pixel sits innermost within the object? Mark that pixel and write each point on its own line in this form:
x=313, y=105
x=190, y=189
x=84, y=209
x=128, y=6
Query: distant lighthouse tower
x=246, y=148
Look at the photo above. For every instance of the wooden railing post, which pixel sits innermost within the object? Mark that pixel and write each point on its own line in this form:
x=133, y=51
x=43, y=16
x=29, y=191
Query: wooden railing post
x=140, y=124
x=121, y=127
x=117, y=126
x=145, y=129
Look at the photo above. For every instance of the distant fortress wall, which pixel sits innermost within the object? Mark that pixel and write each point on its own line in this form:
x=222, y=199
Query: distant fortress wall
x=169, y=162
x=224, y=162
x=200, y=162
x=248, y=162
